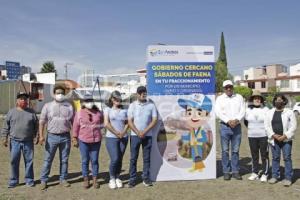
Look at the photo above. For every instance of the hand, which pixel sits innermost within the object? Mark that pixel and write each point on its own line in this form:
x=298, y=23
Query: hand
x=121, y=135
x=41, y=140
x=4, y=141
x=231, y=123
x=36, y=139
x=282, y=138
x=118, y=134
x=141, y=134
x=75, y=142
x=236, y=122
x=276, y=137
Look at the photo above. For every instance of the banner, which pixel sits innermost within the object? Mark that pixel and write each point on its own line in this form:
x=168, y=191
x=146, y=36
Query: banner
x=181, y=83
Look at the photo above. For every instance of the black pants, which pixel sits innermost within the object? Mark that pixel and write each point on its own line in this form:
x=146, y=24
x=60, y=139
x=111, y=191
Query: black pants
x=259, y=145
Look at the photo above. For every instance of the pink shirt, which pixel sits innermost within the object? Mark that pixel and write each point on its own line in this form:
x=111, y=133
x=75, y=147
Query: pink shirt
x=87, y=126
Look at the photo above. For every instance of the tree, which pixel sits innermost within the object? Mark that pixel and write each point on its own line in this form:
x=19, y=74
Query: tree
x=244, y=91
x=48, y=67
x=297, y=98
x=271, y=93
x=221, y=66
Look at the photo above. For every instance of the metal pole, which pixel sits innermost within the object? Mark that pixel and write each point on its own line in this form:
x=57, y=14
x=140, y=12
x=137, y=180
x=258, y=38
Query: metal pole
x=66, y=71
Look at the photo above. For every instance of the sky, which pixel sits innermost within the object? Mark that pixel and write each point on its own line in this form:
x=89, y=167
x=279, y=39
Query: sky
x=111, y=37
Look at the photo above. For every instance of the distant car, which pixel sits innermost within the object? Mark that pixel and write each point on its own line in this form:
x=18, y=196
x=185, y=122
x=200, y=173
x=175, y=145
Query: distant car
x=296, y=108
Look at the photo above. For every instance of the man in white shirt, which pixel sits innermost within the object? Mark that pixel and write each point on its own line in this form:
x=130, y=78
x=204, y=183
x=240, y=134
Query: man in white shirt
x=230, y=109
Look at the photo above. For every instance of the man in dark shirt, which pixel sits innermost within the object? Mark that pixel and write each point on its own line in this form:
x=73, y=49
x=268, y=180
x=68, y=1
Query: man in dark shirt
x=21, y=126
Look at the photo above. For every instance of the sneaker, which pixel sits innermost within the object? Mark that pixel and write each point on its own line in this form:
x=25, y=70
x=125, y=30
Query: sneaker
x=264, y=178
x=119, y=183
x=227, y=176
x=30, y=184
x=147, y=183
x=287, y=183
x=131, y=184
x=11, y=185
x=112, y=184
x=273, y=180
x=65, y=183
x=43, y=186
x=253, y=177
x=237, y=176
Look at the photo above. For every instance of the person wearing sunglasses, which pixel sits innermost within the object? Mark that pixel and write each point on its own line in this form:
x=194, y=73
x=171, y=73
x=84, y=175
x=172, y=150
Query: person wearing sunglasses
x=87, y=135
x=115, y=120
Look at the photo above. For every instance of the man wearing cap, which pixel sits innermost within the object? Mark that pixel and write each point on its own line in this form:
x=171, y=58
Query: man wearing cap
x=142, y=117
x=57, y=116
x=230, y=109
x=21, y=125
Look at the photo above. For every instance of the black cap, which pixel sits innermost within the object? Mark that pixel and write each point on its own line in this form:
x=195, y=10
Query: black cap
x=141, y=89
x=22, y=94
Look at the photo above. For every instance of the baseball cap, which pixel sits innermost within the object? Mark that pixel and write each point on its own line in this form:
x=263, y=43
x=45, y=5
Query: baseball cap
x=141, y=89
x=22, y=94
x=227, y=82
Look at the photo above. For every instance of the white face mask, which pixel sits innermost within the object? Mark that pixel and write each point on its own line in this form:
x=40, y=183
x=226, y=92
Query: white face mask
x=89, y=105
x=59, y=97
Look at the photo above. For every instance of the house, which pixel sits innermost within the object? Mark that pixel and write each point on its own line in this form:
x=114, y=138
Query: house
x=262, y=78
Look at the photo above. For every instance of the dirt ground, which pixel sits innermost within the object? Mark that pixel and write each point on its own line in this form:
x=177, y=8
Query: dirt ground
x=202, y=189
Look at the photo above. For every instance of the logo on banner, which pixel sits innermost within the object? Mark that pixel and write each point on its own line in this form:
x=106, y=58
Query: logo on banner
x=157, y=52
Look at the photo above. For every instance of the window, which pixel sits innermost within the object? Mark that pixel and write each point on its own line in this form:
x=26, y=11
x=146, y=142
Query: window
x=284, y=84
x=251, y=85
x=298, y=83
x=263, y=84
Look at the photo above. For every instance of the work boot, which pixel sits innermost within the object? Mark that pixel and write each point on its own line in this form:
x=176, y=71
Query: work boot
x=86, y=183
x=96, y=185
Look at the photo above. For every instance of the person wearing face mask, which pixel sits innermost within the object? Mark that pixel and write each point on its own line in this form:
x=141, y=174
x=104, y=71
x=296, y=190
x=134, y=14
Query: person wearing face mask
x=87, y=135
x=230, y=109
x=281, y=125
x=115, y=120
x=257, y=136
x=57, y=116
x=21, y=126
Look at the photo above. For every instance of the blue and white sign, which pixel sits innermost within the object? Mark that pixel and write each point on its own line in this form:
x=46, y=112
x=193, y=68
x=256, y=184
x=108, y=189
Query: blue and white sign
x=181, y=83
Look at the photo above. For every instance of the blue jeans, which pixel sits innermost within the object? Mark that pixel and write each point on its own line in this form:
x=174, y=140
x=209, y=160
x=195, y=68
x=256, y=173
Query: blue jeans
x=286, y=148
x=231, y=136
x=116, y=148
x=89, y=152
x=135, y=143
x=63, y=143
x=27, y=149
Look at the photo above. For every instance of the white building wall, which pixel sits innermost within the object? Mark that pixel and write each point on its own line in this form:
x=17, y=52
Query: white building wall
x=295, y=70
x=250, y=73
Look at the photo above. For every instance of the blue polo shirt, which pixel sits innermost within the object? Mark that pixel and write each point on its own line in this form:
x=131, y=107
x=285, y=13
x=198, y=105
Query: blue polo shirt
x=142, y=115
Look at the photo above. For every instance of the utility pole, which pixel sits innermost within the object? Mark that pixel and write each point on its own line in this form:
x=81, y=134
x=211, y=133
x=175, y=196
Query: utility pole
x=66, y=70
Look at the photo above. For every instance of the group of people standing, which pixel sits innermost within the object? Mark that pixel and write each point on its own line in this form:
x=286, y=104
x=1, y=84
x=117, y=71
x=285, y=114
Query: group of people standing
x=82, y=129
x=267, y=129
x=272, y=128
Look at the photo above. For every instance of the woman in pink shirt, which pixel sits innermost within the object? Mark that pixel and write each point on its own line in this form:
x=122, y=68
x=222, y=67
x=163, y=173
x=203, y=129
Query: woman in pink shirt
x=87, y=133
